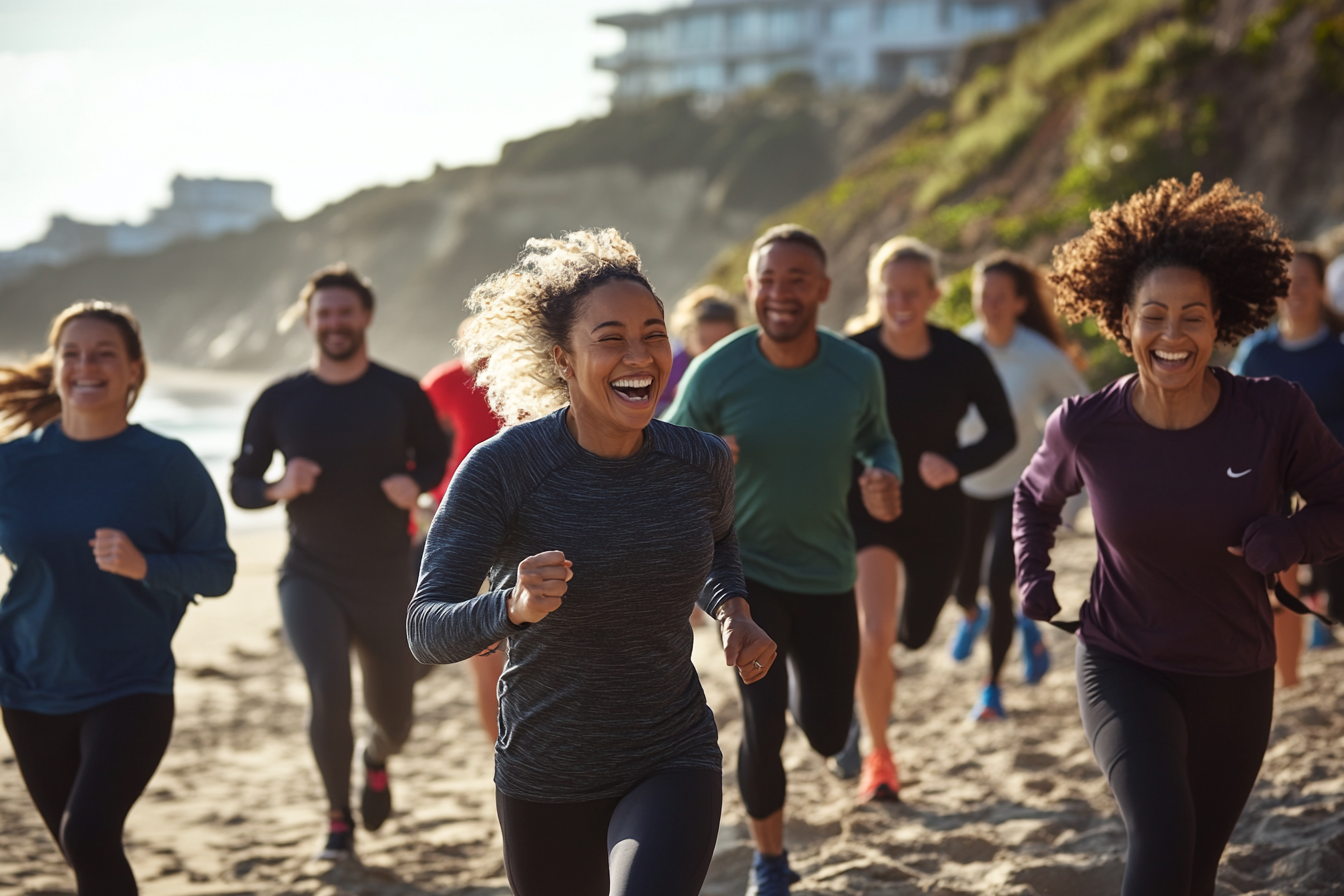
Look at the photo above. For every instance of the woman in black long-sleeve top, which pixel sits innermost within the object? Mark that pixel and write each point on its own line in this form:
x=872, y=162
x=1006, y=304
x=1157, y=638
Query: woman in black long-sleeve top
x=933, y=377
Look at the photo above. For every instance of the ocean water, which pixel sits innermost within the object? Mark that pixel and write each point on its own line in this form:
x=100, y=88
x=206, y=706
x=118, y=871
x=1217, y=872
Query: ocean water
x=207, y=410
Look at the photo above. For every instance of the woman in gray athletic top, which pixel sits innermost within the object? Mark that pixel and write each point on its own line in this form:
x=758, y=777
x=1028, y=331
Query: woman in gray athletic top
x=598, y=528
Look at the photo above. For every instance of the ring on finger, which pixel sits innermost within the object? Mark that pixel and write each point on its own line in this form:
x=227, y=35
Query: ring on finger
x=757, y=664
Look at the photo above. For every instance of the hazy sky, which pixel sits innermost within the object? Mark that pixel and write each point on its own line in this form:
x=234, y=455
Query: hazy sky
x=103, y=101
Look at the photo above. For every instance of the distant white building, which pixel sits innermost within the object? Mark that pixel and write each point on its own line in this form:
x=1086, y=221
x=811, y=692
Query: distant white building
x=201, y=208
x=720, y=47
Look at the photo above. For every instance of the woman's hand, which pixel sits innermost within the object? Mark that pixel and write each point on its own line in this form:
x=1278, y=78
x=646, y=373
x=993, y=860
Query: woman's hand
x=937, y=471
x=1270, y=545
x=745, y=644
x=881, y=492
x=114, y=552
x=543, y=580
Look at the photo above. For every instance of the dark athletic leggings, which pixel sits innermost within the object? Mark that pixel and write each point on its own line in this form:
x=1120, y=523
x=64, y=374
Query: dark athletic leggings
x=322, y=623
x=993, y=521
x=84, y=771
x=656, y=840
x=817, y=636
x=1181, y=753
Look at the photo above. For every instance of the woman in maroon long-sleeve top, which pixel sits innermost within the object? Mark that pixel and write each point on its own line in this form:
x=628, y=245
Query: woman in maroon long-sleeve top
x=1186, y=466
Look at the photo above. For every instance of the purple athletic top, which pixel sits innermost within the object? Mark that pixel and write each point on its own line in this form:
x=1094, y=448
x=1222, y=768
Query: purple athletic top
x=1167, y=503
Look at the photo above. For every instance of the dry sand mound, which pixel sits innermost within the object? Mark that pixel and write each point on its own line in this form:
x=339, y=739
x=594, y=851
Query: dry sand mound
x=1011, y=808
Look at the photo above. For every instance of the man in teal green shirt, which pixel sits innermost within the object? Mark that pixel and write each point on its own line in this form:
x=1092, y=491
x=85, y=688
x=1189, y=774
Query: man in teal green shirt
x=798, y=405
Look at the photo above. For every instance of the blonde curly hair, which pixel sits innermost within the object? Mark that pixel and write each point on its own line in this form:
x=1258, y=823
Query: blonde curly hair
x=523, y=313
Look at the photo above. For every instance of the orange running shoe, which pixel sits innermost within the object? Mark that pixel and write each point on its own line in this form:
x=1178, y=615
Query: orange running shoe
x=879, y=780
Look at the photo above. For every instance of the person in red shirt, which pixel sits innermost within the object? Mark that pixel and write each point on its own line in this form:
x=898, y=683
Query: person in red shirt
x=466, y=418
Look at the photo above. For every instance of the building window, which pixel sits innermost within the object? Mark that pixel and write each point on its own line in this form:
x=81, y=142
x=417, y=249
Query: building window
x=923, y=69
x=705, y=77
x=748, y=28
x=701, y=31
x=845, y=20
x=841, y=69
x=978, y=18
x=752, y=74
x=786, y=27
x=910, y=18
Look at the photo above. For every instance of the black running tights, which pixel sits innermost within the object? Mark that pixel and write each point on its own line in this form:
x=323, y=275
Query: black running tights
x=1181, y=753
x=992, y=521
x=656, y=840
x=817, y=636
x=84, y=771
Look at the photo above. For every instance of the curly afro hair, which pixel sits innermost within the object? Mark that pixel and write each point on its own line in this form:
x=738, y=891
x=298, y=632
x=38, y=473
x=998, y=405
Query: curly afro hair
x=1224, y=234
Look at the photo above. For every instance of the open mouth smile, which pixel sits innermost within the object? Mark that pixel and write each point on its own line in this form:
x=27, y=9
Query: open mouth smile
x=634, y=390
x=1171, y=361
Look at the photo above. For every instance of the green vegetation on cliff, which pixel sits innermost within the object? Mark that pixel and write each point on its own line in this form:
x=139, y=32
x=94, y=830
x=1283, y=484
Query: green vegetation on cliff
x=1098, y=101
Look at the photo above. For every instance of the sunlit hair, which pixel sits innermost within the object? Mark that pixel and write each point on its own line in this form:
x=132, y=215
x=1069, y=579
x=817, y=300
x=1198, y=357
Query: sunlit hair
x=523, y=313
x=796, y=234
x=898, y=248
x=28, y=397
x=1224, y=234
x=702, y=305
x=1334, y=321
x=334, y=276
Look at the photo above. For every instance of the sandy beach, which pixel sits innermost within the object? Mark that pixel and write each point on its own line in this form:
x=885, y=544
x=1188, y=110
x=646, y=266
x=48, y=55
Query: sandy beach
x=1016, y=807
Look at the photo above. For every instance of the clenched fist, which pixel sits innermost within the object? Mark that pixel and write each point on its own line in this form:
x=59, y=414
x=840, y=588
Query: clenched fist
x=299, y=479
x=881, y=492
x=937, y=471
x=114, y=553
x=543, y=580
x=401, y=490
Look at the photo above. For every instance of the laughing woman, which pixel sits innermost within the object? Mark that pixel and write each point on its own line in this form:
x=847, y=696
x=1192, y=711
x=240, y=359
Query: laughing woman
x=599, y=528
x=1187, y=466
x=112, y=530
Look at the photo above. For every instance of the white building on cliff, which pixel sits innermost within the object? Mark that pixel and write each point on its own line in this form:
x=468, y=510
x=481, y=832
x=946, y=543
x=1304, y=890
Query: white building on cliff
x=720, y=47
x=201, y=208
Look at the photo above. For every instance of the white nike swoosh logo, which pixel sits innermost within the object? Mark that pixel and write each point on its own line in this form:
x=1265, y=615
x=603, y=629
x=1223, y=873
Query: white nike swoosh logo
x=1232, y=475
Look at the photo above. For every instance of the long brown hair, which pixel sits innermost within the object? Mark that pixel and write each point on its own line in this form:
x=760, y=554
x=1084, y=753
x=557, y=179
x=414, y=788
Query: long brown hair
x=28, y=398
x=1028, y=282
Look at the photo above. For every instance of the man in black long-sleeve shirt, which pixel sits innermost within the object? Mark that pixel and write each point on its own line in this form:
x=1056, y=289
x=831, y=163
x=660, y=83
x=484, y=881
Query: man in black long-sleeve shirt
x=360, y=443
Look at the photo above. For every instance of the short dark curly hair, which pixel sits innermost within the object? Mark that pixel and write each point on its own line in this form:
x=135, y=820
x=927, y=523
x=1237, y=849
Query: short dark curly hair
x=1224, y=234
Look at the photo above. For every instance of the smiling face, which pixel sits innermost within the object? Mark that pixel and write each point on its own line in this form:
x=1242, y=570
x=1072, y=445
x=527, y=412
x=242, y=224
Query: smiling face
x=93, y=369
x=997, y=302
x=908, y=292
x=786, y=289
x=1172, y=326
x=1306, y=294
x=618, y=358
x=337, y=319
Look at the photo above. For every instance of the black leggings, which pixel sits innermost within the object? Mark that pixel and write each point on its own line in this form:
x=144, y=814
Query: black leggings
x=656, y=840
x=1181, y=753
x=927, y=537
x=990, y=520
x=817, y=636
x=84, y=771
x=322, y=622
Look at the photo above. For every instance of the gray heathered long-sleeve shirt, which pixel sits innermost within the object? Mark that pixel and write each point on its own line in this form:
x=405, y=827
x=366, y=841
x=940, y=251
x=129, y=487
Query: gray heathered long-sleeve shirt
x=601, y=693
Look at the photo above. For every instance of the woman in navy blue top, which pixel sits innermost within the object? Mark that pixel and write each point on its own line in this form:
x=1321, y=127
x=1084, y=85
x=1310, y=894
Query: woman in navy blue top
x=1304, y=346
x=111, y=531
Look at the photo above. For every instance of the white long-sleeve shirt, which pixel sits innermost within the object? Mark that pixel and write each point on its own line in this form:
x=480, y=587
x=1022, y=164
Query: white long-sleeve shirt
x=1037, y=376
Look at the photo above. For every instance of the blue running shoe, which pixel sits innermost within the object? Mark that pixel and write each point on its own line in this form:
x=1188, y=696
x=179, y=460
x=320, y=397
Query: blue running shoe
x=848, y=762
x=989, y=708
x=771, y=875
x=963, y=640
x=1321, y=636
x=1035, y=655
